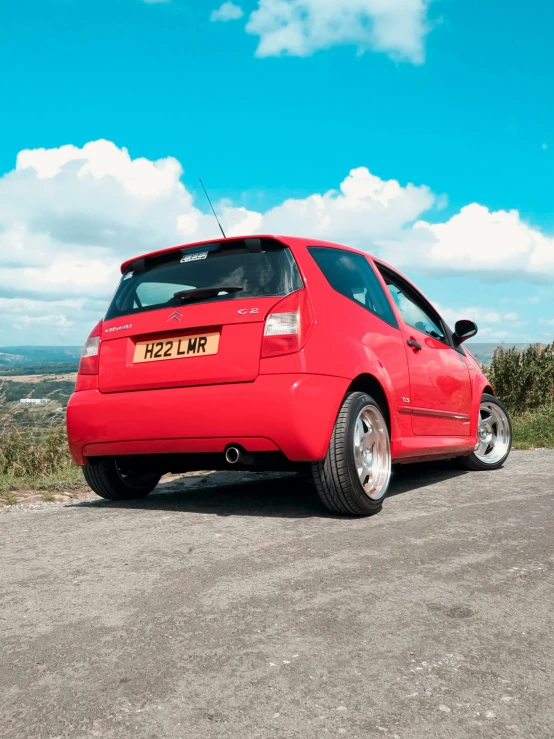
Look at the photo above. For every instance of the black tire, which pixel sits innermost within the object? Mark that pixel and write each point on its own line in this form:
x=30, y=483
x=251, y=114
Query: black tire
x=336, y=477
x=472, y=462
x=106, y=480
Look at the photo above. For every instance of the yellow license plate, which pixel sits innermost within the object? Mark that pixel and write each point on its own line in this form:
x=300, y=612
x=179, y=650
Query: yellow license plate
x=179, y=347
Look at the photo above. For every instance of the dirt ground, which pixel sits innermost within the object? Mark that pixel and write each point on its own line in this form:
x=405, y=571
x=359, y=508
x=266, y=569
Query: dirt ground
x=239, y=609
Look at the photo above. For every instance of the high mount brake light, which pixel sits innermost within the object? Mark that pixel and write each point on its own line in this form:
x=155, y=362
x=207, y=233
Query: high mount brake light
x=288, y=325
x=89, y=356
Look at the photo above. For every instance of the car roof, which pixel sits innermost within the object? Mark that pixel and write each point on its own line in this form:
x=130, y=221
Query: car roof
x=292, y=241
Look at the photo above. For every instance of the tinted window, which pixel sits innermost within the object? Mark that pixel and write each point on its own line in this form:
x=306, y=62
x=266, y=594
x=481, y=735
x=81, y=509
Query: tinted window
x=155, y=283
x=351, y=275
x=412, y=310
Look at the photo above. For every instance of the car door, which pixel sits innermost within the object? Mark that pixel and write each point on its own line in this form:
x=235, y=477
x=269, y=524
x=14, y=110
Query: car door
x=440, y=386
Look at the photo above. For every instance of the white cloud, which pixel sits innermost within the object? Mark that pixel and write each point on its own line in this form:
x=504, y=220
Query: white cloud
x=301, y=27
x=70, y=216
x=477, y=241
x=533, y=300
x=88, y=207
x=492, y=324
x=227, y=12
x=47, y=321
x=365, y=210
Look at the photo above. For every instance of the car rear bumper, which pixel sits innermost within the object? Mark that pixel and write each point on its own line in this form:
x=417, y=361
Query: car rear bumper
x=293, y=414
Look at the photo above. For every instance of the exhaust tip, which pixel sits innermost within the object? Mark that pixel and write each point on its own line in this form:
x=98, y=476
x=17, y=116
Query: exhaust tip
x=232, y=455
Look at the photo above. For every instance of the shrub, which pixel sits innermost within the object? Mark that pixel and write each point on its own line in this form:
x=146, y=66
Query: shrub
x=524, y=379
x=28, y=452
x=534, y=429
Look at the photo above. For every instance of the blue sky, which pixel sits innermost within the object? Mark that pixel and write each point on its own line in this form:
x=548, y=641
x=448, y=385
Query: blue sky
x=456, y=97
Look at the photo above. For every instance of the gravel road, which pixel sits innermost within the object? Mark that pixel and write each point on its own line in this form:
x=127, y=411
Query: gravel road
x=216, y=609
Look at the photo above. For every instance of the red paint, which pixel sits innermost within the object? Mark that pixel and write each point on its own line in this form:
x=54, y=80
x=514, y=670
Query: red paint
x=208, y=418
x=270, y=393
x=238, y=358
x=439, y=380
x=177, y=446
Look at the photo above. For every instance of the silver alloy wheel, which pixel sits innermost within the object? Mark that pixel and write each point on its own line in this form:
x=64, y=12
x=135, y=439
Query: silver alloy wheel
x=372, y=452
x=493, y=434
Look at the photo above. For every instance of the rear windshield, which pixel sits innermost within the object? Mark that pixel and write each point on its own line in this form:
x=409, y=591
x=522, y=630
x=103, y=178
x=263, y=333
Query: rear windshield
x=253, y=268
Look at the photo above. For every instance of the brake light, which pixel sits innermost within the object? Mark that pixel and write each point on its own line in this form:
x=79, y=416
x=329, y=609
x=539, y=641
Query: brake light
x=89, y=356
x=288, y=325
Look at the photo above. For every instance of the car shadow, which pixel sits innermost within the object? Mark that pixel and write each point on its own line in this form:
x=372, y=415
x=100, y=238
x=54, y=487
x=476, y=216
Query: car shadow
x=266, y=494
x=408, y=477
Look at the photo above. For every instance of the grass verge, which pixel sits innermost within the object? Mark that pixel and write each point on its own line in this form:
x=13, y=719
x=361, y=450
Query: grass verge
x=60, y=485
x=70, y=478
x=35, y=464
x=534, y=429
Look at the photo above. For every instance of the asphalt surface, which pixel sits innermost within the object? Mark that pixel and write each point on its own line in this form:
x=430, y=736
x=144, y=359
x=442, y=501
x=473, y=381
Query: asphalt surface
x=220, y=610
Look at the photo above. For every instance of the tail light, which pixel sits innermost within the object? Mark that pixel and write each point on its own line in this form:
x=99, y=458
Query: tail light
x=89, y=356
x=288, y=325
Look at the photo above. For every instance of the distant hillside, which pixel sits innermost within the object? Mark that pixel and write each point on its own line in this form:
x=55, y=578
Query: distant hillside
x=483, y=352
x=31, y=360
x=22, y=355
x=38, y=359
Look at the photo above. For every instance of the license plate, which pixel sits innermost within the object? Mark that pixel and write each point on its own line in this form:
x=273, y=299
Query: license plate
x=179, y=347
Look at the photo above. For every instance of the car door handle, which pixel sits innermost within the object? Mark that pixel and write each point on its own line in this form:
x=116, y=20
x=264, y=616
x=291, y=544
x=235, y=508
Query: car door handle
x=414, y=344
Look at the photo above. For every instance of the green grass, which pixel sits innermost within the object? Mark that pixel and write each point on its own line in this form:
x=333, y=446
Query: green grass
x=34, y=459
x=67, y=479
x=534, y=429
x=8, y=498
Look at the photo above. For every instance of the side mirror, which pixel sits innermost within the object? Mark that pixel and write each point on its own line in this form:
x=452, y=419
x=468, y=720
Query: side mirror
x=464, y=330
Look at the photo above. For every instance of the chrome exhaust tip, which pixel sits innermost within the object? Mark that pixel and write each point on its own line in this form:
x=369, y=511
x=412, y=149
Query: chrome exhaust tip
x=232, y=455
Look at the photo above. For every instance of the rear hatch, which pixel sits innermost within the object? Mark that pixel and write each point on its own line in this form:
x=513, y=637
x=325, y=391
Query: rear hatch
x=194, y=316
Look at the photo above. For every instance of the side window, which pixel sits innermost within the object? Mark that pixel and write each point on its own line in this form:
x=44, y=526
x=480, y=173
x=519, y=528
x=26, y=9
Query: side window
x=412, y=311
x=351, y=275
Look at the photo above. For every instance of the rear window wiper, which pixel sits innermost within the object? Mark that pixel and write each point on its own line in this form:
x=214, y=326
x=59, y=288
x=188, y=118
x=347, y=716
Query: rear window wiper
x=201, y=293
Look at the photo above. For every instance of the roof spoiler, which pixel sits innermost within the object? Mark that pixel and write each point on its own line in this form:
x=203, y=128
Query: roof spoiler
x=253, y=244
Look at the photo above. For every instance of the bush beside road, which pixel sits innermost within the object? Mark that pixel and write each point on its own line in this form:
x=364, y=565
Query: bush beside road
x=534, y=429
x=35, y=463
x=523, y=379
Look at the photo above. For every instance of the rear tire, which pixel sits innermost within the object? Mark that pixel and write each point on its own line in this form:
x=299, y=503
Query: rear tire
x=105, y=478
x=494, y=436
x=353, y=478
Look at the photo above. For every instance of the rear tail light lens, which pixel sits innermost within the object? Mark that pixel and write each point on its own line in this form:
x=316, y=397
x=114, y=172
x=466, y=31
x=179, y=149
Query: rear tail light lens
x=288, y=325
x=89, y=356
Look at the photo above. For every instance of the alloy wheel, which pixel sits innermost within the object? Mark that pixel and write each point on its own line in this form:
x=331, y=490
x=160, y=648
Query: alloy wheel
x=372, y=454
x=493, y=435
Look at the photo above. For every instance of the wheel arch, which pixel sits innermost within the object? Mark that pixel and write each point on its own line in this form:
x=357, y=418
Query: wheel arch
x=367, y=383
x=481, y=385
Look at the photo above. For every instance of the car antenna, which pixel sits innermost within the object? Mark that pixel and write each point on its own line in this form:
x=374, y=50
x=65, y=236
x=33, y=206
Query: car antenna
x=211, y=206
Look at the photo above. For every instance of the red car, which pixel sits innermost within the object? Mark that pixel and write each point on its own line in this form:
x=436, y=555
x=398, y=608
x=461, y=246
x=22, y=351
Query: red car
x=277, y=353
